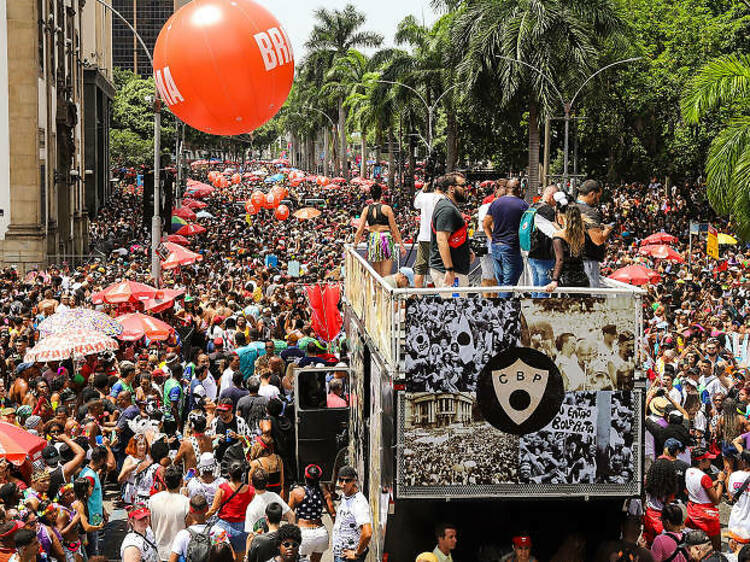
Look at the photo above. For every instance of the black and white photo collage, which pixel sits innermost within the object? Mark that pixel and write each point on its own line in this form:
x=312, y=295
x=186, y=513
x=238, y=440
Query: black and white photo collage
x=590, y=439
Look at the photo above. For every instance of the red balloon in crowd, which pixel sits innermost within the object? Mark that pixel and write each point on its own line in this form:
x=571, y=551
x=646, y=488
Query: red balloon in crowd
x=271, y=201
x=282, y=212
x=225, y=68
x=236, y=178
x=258, y=199
x=322, y=180
x=224, y=182
x=278, y=192
x=250, y=208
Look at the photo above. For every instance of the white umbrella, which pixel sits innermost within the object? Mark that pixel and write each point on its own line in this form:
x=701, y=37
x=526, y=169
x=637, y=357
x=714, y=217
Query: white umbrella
x=204, y=215
x=63, y=345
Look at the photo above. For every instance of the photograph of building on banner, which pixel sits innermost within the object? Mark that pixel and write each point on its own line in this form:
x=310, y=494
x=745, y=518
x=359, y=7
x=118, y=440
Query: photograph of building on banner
x=591, y=340
x=448, y=341
x=589, y=441
x=447, y=443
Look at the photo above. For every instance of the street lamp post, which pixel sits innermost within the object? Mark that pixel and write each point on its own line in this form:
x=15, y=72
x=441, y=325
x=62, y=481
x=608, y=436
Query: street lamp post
x=325, y=136
x=567, y=105
x=156, y=219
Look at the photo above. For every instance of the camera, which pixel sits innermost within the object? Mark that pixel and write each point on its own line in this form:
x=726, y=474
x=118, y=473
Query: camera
x=660, y=392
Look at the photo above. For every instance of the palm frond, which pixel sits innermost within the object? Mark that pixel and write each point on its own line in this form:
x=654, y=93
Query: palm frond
x=721, y=81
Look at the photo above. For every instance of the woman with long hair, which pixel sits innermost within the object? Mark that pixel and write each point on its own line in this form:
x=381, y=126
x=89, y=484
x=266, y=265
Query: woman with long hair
x=308, y=503
x=136, y=475
x=568, y=246
x=380, y=220
x=661, y=488
x=83, y=488
x=230, y=504
x=262, y=455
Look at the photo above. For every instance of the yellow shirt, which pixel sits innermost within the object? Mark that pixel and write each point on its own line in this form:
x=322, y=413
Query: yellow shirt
x=442, y=557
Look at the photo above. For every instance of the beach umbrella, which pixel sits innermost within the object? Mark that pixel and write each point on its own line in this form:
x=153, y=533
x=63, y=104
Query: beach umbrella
x=79, y=319
x=661, y=252
x=191, y=229
x=179, y=256
x=636, y=275
x=307, y=213
x=137, y=325
x=17, y=444
x=178, y=223
x=204, y=215
x=163, y=302
x=726, y=239
x=63, y=345
x=125, y=291
x=184, y=213
x=194, y=205
x=177, y=239
x=659, y=238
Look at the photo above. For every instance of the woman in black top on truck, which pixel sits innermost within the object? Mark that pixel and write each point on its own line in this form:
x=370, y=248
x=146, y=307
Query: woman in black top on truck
x=380, y=221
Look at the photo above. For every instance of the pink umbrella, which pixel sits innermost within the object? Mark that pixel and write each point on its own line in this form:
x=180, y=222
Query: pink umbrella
x=184, y=213
x=659, y=238
x=137, y=325
x=177, y=239
x=125, y=291
x=164, y=302
x=191, y=229
x=194, y=205
x=179, y=256
x=338, y=180
x=661, y=252
x=636, y=275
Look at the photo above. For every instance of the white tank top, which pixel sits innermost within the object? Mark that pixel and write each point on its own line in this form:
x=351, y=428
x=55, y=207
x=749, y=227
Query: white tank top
x=693, y=483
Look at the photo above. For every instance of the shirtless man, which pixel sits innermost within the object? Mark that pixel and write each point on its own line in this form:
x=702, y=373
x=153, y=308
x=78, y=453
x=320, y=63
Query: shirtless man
x=20, y=386
x=192, y=447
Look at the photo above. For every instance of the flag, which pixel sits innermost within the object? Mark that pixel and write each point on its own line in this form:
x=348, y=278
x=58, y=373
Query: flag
x=326, y=317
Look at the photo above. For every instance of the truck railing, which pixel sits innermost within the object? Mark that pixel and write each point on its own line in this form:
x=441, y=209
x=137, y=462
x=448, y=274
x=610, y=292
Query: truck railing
x=381, y=309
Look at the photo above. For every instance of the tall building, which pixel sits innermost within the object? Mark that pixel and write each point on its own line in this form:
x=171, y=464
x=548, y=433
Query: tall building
x=43, y=164
x=147, y=17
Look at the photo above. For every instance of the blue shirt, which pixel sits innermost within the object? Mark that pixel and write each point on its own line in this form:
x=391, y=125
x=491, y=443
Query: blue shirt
x=248, y=355
x=95, y=503
x=506, y=214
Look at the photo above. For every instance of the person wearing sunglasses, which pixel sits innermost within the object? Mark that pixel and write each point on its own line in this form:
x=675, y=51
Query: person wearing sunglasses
x=288, y=539
x=352, y=529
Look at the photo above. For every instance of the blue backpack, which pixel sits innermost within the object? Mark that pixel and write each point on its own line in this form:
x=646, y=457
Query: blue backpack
x=527, y=228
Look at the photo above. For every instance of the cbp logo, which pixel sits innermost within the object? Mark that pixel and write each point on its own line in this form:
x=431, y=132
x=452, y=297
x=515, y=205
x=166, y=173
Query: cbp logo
x=520, y=390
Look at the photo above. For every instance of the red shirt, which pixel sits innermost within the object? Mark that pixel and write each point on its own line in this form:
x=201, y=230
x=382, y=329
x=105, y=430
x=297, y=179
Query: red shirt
x=234, y=510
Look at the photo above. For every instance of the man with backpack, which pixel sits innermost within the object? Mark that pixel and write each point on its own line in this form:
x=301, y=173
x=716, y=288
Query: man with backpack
x=541, y=255
x=501, y=225
x=194, y=543
x=263, y=546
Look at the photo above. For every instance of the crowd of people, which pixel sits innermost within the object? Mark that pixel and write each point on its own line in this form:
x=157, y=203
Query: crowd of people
x=197, y=432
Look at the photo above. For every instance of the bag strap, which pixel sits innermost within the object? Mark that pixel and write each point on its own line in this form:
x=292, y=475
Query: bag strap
x=156, y=548
x=225, y=502
x=677, y=551
x=742, y=489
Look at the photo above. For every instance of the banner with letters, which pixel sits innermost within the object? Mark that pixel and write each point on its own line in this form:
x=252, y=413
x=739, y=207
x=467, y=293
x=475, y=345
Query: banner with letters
x=518, y=397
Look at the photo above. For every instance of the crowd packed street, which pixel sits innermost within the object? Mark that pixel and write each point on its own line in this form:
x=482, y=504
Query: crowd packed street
x=190, y=416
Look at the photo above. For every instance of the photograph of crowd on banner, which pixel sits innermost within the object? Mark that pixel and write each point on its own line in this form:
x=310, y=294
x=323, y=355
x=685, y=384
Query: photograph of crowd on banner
x=590, y=435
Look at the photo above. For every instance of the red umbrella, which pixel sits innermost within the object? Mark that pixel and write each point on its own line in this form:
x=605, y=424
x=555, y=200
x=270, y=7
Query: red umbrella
x=199, y=193
x=184, y=213
x=659, y=238
x=661, y=252
x=137, y=325
x=162, y=303
x=17, y=444
x=338, y=180
x=177, y=239
x=125, y=291
x=194, y=205
x=191, y=229
x=636, y=275
x=179, y=256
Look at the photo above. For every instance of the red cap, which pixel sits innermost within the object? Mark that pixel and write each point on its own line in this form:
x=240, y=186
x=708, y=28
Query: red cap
x=224, y=407
x=522, y=541
x=218, y=341
x=139, y=513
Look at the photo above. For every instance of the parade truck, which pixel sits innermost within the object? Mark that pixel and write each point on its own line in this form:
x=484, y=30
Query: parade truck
x=502, y=416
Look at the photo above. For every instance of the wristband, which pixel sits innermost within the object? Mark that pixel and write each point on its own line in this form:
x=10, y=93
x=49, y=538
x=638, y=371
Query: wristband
x=449, y=269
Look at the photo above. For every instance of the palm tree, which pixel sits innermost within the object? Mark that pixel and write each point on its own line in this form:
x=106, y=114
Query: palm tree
x=559, y=37
x=333, y=36
x=726, y=82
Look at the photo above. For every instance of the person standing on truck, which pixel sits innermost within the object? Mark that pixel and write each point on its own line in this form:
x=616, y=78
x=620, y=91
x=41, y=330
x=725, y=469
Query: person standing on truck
x=446, y=535
x=352, y=529
x=425, y=202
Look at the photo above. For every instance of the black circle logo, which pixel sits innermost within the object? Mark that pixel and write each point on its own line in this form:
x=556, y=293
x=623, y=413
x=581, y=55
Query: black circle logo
x=520, y=390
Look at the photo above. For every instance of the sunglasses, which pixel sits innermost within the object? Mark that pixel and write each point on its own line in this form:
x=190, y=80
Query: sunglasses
x=290, y=544
x=346, y=479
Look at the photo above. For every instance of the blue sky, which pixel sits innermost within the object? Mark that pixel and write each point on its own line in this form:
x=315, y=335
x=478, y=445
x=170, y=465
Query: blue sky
x=382, y=16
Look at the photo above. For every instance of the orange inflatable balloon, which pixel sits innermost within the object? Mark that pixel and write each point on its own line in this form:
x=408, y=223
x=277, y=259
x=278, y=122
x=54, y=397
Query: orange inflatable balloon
x=250, y=208
x=282, y=212
x=236, y=178
x=258, y=199
x=207, y=45
x=278, y=192
x=271, y=201
x=224, y=182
